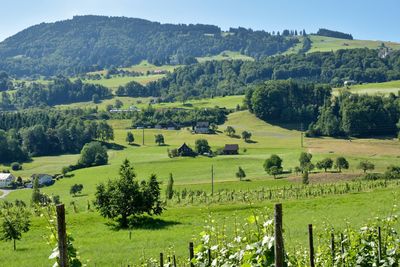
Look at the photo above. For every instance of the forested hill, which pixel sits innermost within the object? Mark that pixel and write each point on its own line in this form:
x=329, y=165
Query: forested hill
x=87, y=43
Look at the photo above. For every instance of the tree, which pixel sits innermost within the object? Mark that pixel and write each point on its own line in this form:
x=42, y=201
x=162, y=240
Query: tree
x=305, y=179
x=273, y=165
x=159, y=139
x=230, y=131
x=305, y=161
x=240, y=173
x=95, y=99
x=325, y=164
x=105, y=132
x=118, y=103
x=341, y=163
x=76, y=189
x=125, y=196
x=365, y=165
x=246, y=135
x=170, y=187
x=15, y=220
x=36, y=195
x=93, y=154
x=202, y=146
x=130, y=138
x=15, y=166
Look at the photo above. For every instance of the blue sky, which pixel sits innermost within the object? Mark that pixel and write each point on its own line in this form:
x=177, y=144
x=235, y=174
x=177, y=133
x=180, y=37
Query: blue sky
x=365, y=19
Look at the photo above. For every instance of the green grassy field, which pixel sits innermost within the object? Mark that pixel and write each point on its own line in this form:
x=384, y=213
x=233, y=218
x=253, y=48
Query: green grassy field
x=226, y=55
x=384, y=88
x=100, y=245
x=322, y=44
x=103, y=246
x=229, y=102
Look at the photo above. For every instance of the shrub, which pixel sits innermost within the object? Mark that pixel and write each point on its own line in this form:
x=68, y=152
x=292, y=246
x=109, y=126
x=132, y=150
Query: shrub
x=15, y=166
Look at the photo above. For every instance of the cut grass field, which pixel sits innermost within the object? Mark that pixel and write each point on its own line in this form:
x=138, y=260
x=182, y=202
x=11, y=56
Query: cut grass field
x=229, y=102
x=226, y=55
x=384, y=88
x=102, y=246
x=324, y=44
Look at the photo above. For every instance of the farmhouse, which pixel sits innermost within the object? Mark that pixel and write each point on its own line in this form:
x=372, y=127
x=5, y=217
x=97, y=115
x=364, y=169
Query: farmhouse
x=202, y=127
x=231, y=149
x=185, y=151
x=44, y=179
x=6, y=179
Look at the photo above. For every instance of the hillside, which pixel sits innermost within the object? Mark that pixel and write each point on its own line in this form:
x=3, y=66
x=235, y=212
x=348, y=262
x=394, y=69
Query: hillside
x=87, y=43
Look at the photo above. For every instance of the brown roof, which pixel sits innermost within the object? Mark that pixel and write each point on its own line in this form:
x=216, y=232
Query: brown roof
x=231, y=147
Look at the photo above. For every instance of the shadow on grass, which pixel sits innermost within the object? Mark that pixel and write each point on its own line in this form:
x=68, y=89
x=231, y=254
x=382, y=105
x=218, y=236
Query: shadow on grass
x=251, y=142
x=80, y=195
x=134, y=144
x=113, y=146
x=144, y=223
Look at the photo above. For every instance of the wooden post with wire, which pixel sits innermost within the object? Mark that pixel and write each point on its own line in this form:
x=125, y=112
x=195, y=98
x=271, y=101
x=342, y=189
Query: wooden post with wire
x=191, y=254
x=212, y=180
x=62, y=236
x=279, y=254
x=311, y=244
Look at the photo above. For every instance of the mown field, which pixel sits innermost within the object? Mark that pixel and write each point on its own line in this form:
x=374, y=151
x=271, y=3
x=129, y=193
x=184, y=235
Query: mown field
x=229, y=102
x=384, y=88
x=101, y=245
x=323, y=44
x=226, y=55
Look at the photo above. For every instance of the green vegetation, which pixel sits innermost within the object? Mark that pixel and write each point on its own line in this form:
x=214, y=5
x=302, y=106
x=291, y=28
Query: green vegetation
x=225, y=55
x=326, y=44
x=384, y=88
x=75, y=50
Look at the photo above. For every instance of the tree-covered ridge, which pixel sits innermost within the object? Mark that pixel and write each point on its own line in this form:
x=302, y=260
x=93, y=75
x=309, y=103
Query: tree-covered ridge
x=231, y=77
x=91, y=42
x=335, y=34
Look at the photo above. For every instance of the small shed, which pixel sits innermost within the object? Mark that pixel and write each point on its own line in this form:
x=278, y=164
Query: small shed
x=185, y=151
x=6, y=179
x=231, y=149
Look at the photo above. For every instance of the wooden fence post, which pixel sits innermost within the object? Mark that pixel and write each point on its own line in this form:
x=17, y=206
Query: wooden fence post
x=379, y=245
x=209, y=257
x=311, y=243
x=174, y=261
x=191, y=253
x=279, y=257
x=62, y=236
x=342, y=248
x=161, y=259
x=333, y=248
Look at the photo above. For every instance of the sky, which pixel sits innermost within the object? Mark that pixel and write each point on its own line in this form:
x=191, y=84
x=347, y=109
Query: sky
x=364, y=19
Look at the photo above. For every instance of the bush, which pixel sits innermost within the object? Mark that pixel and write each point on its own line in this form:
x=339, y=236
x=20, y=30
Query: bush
x=15, y=166
x=93, y=154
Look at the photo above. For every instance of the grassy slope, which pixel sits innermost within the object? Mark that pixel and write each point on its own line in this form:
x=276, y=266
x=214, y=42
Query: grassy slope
x=384, y=88
x=226, y=55
x=229, y=102
x=101, y=245
x=322, y=44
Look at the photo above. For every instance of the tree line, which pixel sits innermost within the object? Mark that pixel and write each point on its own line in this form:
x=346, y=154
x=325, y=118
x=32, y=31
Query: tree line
x=334, y=34
x=49, y=133
x=287, y=101
x=219, y=78
x=357, y=115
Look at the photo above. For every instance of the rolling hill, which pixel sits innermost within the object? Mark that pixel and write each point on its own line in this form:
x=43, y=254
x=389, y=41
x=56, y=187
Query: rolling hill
x=87, y=43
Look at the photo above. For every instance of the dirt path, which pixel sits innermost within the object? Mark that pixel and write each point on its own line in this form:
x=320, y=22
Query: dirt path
x=5, y=193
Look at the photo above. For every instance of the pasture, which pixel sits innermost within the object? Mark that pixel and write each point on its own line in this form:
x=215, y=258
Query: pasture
x=326, y=44
x=384, y=88
x=226, y=55
x=99, y=244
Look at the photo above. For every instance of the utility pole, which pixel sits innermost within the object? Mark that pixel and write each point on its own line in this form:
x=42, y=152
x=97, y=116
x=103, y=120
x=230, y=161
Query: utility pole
x=212, y=180
x=143, y=136
x=302, y=135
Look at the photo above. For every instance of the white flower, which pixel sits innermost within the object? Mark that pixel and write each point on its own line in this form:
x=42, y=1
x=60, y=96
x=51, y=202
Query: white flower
x=268, y=223
x=269, y=241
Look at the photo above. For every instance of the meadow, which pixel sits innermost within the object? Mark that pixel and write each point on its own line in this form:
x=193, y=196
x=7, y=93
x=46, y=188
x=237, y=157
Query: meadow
x=325, y=44
x=100, y=244
x=384, y=88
